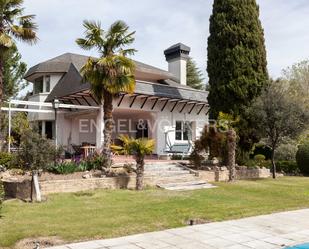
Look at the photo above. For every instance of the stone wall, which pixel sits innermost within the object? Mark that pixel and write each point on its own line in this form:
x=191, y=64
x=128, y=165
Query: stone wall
x=21, y=189
x=17, y=189
x=242, y=173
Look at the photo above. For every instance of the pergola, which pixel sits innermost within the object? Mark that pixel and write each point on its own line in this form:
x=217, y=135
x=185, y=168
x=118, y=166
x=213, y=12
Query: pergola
x=85, y=98
x=48, y=108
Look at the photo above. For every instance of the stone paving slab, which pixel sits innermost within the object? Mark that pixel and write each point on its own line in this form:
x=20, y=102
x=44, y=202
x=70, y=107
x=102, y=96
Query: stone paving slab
x=273, y=231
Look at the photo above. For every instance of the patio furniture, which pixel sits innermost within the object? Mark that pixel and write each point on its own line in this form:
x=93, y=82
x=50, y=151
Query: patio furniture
x=88, y=150
x=77, y=150
x=182, y=149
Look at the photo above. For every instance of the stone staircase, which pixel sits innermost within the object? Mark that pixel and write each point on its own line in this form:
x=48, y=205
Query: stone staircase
x=173, y=176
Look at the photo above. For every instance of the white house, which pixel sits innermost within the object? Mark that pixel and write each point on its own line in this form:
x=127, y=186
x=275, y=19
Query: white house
x=163, y=107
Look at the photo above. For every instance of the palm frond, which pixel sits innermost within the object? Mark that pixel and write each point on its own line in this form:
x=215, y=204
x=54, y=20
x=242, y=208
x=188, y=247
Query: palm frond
x=95, y=77
x=27, y=35
x=85, y=44
x=117, y=28
x=93, y=36
x=127, y=52
x=10, y=14
x=14, y=3
x=6, y=41
x=137, y=147
x=113, y=71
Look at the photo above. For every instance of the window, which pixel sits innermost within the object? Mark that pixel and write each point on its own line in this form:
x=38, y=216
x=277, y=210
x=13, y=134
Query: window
x=183, y=129
x=49, y=129
x=142, y=129
x=47, y=83
x=38, y=85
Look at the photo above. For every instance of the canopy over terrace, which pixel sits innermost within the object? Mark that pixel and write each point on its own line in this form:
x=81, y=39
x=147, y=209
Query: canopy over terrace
x=23, y=106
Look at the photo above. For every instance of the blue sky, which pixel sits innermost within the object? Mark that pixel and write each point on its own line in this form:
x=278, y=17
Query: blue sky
x=161, y=23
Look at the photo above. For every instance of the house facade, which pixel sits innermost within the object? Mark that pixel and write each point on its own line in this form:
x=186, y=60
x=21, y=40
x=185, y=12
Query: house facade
x=162, y=107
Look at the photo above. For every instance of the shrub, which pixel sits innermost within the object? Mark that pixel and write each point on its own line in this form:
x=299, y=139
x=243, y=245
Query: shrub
x=213, y=141
x=262, y=149
x=288, y=167
x=64, y=168
x=302, y=157
x=1, y=196
x=261, y=164
x=286, y=151
x=35, y=152
x=82, y=166
x=259, y=158
x=96, y=161
x=196, y=158
x=5, y=159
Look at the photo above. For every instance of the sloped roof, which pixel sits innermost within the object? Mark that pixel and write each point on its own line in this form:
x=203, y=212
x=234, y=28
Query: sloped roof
x=72, y=83
x=61, y=64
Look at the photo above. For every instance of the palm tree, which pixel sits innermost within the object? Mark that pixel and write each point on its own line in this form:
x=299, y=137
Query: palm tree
x=112, y=73
x=231, y=151
x=139, y=148
x=14, y=26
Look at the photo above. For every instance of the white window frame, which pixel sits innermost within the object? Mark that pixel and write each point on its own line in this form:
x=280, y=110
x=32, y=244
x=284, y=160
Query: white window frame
x=183, y=130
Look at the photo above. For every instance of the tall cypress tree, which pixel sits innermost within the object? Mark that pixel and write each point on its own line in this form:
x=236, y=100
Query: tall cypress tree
x=237, y=66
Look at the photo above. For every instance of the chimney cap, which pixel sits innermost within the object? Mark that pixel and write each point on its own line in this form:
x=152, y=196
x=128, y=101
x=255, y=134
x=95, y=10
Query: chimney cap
x=178, y=50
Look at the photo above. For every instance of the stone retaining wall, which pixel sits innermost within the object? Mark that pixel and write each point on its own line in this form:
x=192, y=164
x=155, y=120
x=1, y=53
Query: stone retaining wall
x=241, y=174
x=21, y=190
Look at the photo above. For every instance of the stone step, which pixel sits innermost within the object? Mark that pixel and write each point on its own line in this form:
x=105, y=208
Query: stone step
x=171, y=172
x=186, y=186
x=164, y=170
x=170, y=180
x=162, y=166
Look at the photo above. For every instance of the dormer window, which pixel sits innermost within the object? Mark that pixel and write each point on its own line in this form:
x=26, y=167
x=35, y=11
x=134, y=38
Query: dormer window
x=38, y=85
x=42, y=85
x=47, y=83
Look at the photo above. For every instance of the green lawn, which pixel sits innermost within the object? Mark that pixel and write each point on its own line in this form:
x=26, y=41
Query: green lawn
x=105, y=214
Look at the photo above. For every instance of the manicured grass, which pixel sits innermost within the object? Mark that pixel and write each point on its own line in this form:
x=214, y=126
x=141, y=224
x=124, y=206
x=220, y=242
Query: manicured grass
x=105, y=214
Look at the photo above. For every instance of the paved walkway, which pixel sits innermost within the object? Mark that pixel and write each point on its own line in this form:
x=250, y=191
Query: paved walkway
x=269, y=231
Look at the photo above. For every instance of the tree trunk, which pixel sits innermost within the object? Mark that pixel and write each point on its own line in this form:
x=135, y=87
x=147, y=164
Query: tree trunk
x=1, y=96
x=231, y=144
x=36, y=186
x=31, y=188
x=140, y=163
x=108, y=127
x=273, y=163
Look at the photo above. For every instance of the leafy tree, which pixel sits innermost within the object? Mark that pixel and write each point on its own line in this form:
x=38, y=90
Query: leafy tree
x=237, y=66
x=139, y=148
x=13, y=26
x=20, y=124
x=296, y=80
x=36, y=153
x=194, y=76
x=14, y=70
x=302, y=157
x=112, y=73
x=278, y=117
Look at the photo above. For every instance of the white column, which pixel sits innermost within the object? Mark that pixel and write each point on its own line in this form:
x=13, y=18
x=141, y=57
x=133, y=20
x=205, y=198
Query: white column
x=99, y=128
x=43, y=128
x=10, y=124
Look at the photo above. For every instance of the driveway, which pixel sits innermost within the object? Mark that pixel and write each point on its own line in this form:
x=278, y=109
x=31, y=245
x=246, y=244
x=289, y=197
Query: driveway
x=268, y=231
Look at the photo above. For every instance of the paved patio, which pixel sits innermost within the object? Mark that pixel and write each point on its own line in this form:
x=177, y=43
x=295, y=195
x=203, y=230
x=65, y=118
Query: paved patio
x=268, y=231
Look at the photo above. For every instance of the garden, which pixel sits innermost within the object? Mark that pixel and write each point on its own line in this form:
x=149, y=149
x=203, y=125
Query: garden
x=104, y=214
